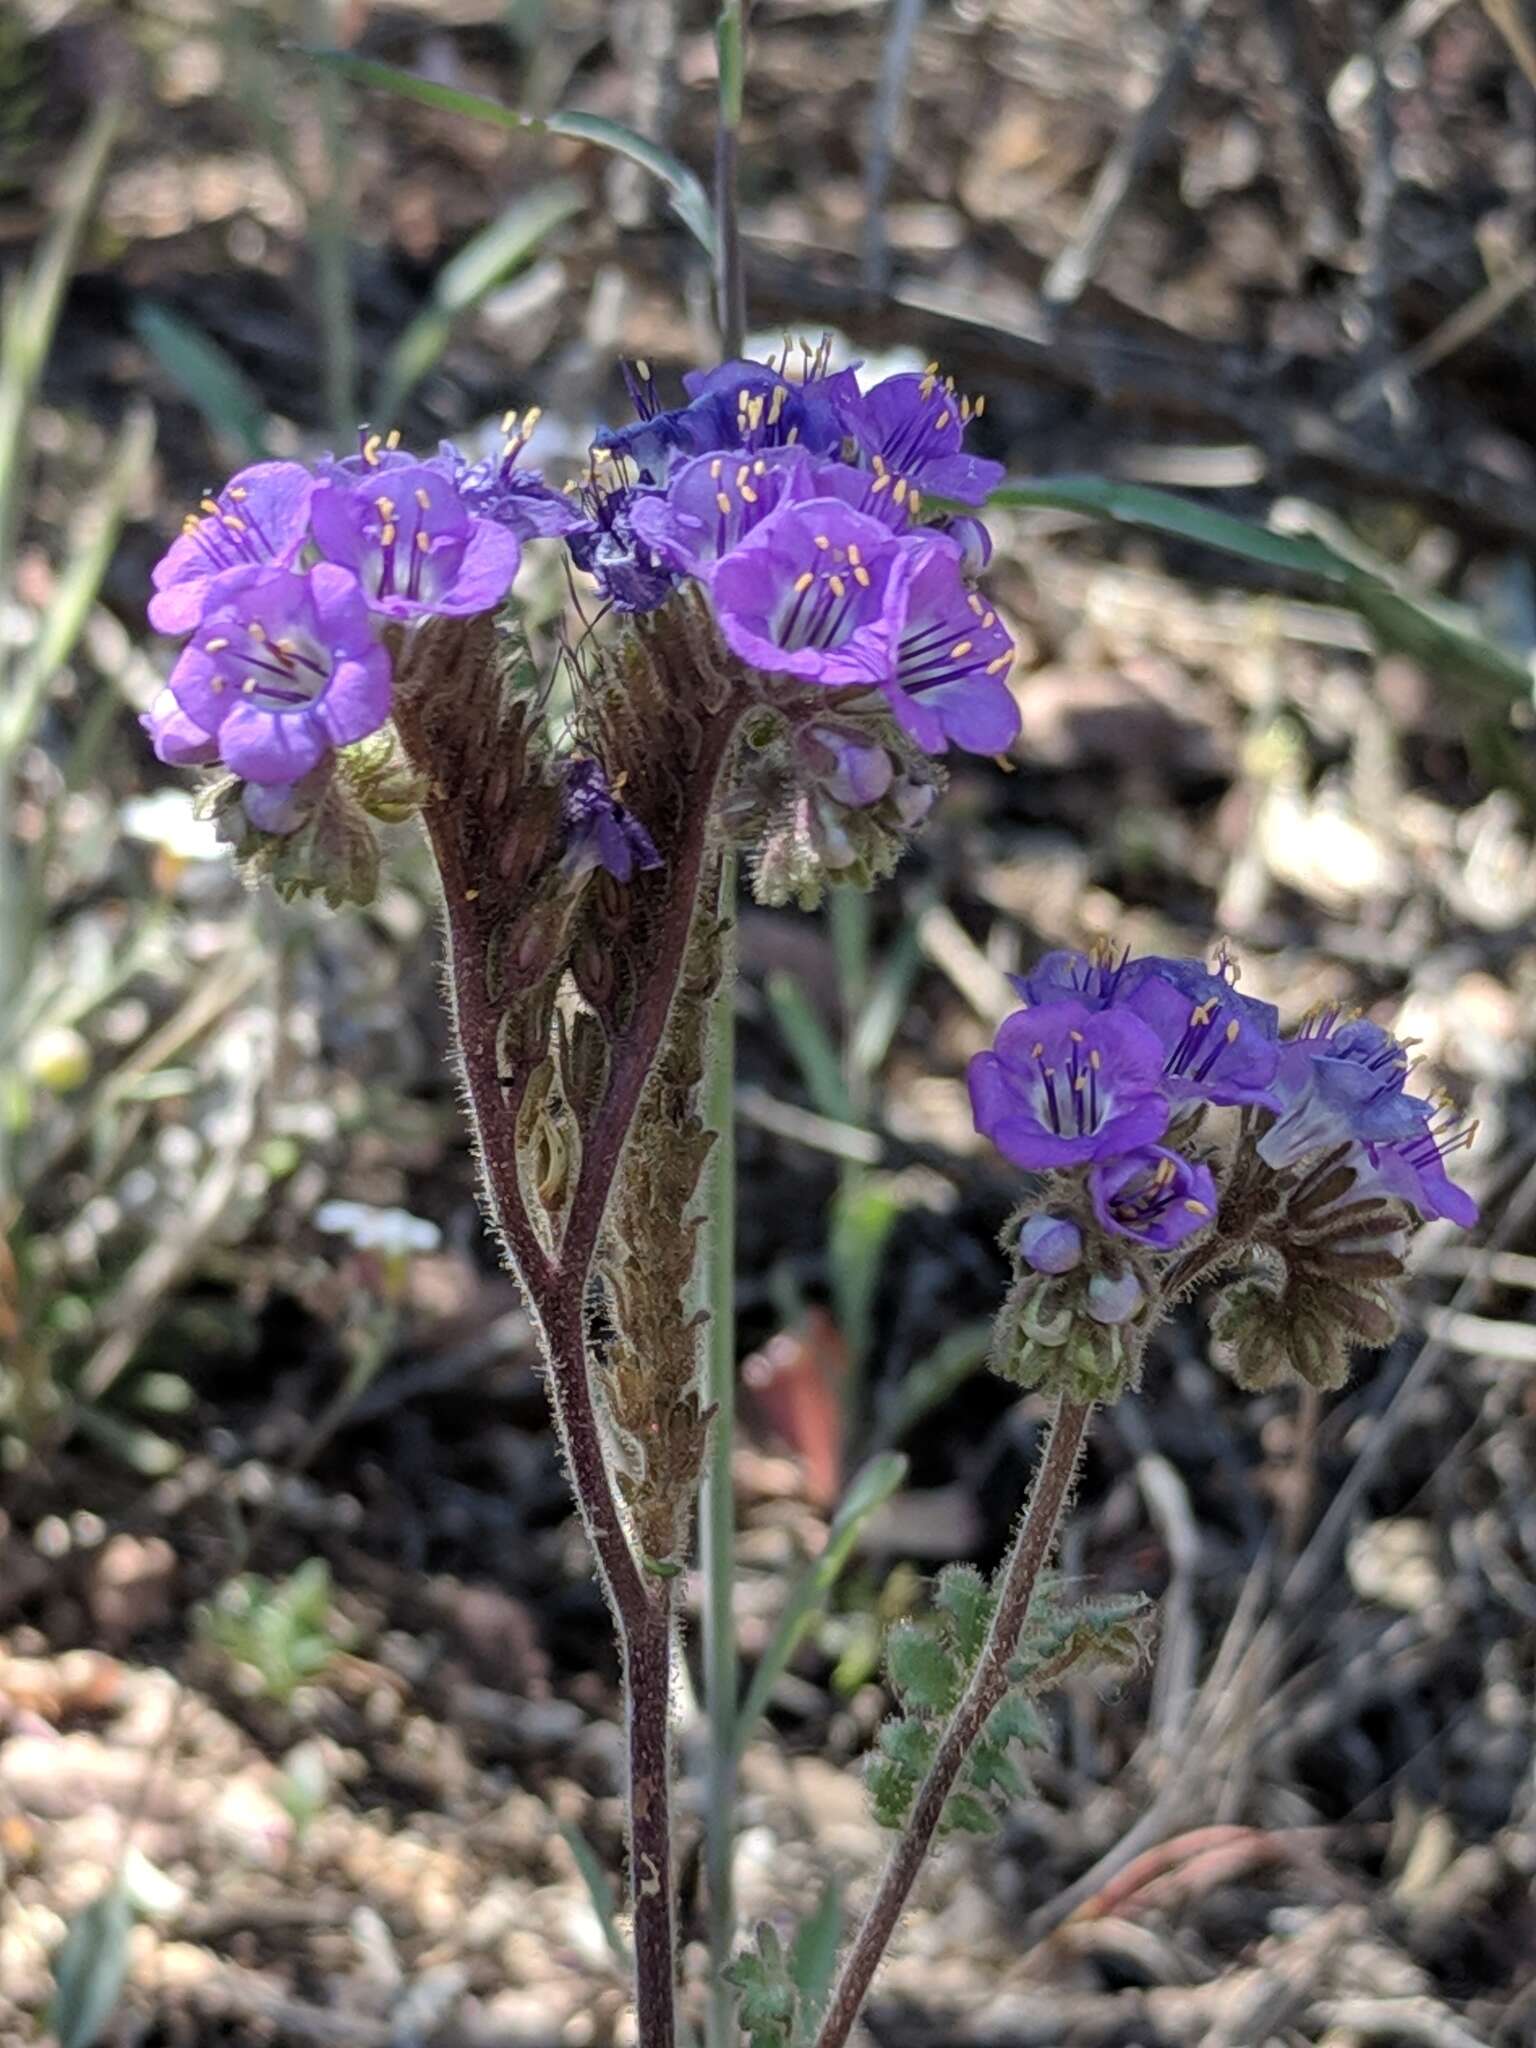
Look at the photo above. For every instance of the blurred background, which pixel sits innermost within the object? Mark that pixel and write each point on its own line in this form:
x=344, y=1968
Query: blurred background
x=308, y=1719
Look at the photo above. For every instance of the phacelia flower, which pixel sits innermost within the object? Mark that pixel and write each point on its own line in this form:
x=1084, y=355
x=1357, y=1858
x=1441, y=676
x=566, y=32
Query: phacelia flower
x=261, y=517
x=1153, y=1196
x=740, y=405
x=412, y=542
x=600, y=831
x=1064, y=1086
x=285, y=667
x=177, y=740
x=632, y=575
x=912, y=427
x=952, y=660
x=498, y=488
x=816, y=592
x=1219, y=1046
x=1341, y=1080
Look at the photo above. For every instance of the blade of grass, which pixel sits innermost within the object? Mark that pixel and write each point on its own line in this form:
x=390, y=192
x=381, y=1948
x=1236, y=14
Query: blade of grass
x=329, y=236
x=872, y=1486
x=229, y=403
x=865, y=1210
x=599, y=1892
x=689, y=200
x=810, y=1044
x=495, y=253
x=1433, y=634
x=933, y=1379
x=730, y=51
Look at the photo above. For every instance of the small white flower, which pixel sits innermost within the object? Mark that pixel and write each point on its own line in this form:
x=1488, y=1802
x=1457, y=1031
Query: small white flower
x=394, y=1232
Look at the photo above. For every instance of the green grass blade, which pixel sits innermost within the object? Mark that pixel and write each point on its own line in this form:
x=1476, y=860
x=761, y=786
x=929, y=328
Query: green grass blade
x=813, y=1957
x=1431, y=633
x=865, y=1211
x=811, y=1045
x=80, y=583
x=599, y=1892
x=689, y=201
x=872, y=1486
x=485, y=261
x=933, y=1379
x=229, y=403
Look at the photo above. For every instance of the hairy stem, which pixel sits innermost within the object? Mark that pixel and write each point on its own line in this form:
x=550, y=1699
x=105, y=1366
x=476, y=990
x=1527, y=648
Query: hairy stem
x=718, y=1518
x=1032, y=1547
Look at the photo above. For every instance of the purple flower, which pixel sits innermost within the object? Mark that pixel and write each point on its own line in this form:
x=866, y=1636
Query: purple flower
x=412, y=543
x=739, y=405
x=714, y=502
x=853, y=771
x=1153, y=1196
x=260, y=517
x=631, y=574
x=1341, y=1082
x=494, y=487
x=285, y=667
x=174, y=737
x=1218, y=1046
x=1065, y=1085
x=952, y=660
x=1050, y=1244
x=817, y=592
x=912, y=426
x=600, y=831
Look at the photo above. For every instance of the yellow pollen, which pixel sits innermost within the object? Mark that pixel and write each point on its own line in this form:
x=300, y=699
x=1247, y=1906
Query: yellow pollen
x=285, y=648
x=642, y=369
x=722, y=501
x=838, y=585
x=392, y=438
x=791, y=437
x=743, y=471
x=822, y=541
x=387, y=533
x=880, y=483
x=759, y=468
x=900, y=492
x=978, y=406
x=853, y=553
x=942, y=421
x=749, y=496
x=1197, y=1208
x=423, y=501
x=248, y=685
x=531, y=419
x=422, y=542
x=1076, y=1037
x=1079, y=1082
x=917, y=500
x=208, y=505
x=715, y=468
x=960, y=649
x=237, y=492
x=371, y=449
x=235, y=525
x=989, y=618
x=975, y=603
x=995, y=668
x=877, y=462
x=257, y=630
x=861, y=575
x=780, y=393
x=804, y=581
x=215, y=646
x=1234, y=1032
x=385, y=507
x=509, y=419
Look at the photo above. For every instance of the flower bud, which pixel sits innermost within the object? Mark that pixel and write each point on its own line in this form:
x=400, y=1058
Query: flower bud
x=1050, y=1244
x=57, y=1058
x=1113, y=1301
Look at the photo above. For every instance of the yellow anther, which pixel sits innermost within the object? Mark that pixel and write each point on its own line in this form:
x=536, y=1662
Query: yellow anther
x=759, y=468
x=642, y=369
x=1197, y=1208
x=716, y=466
x=1234, y=1032
x=916, y=501
x=210, y=506
x=853, y=553
x=722, y=501
x=385, y=507
x=248, y=685
x=749, y=496
x=861, y=575
x=509, y=419
x=371, y=449
x=392, y=438
x=960, y=649
x=989, y=618
x=791, y=437
x=880, y=483
x=942, y=421
x=1076, y=1037
x=531, y=419
x=839, y=588
x=804, y=581
x=900, y=491
x=743, y=471
x=215, y=646
x=995, y=668
x=237, y=492
x=257, y=630
x=822, y=541
x=423, y=543
x=387, y=534
x=423, y=500
x=780, y=393
x=978, y=406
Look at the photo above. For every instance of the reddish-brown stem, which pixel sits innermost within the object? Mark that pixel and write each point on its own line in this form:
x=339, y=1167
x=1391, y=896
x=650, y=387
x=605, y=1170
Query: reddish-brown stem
x=1032, y=1548
x=556, y=1284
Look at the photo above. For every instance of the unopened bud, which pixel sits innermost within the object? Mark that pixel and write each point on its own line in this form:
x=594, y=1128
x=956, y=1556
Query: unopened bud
x=1050, y=1244
x=1114, y=1300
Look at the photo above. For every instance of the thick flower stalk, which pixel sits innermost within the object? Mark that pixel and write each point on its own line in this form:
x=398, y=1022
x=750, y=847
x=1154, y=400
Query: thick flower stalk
x=793, y=647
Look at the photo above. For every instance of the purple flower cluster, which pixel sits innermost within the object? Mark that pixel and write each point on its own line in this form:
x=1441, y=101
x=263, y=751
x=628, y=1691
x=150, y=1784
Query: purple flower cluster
x=286, y=583
x=795, y=502
x=1110, y=1052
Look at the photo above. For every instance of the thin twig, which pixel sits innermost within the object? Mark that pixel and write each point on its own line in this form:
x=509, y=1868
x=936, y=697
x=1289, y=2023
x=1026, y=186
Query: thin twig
x=884, y=122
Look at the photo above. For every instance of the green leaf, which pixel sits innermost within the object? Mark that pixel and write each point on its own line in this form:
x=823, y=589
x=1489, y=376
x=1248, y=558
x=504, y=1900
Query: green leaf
x=890, y=1789
x=496, y=253
x=910, y=1743
x=813, y=1956
x=865, y=1210
x=767, y=1996
x=1434, y=634
x=599, y=1891
x=929, y=1383
x=964, y=1595
x=923, y=1672
x=229, y=403
x=90, y=1966
x=990, y=1769
x=688, y=198
x=873, y=1484
x=810, y=1044
x=972, y=1816
x=1016, y=1718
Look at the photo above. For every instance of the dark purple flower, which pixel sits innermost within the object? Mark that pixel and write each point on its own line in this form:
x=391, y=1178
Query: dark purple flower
x=1065, y=1085
x=1341, y=1081
x=1050, y=1244
x=817, y=592
x=412, y=543
x=600, y=831
x=952, y=660
x=1153, y=1196
x=284, y=668
x=260, y=517
x=495, y=487
x=1219, y=1046
x=631, y=574
x=854, y=771
x=745, y=406
x=912, y=427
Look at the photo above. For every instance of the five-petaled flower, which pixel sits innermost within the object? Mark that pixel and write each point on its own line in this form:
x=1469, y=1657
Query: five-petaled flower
x=261, y=517
x=1153, y=1196
x=413, y=544
x=1065, y=1085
